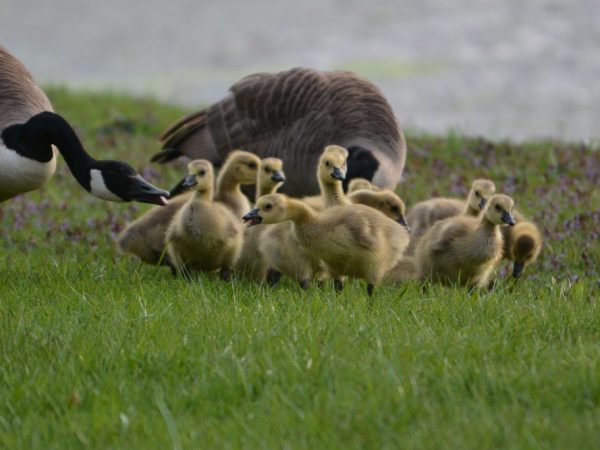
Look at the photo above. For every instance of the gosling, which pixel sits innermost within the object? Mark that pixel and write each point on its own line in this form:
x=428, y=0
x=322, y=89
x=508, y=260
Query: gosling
x=278, y=245
x=204, y=235
x=355, y=240
x=424, y=214
x=522, y=244
x=252, y=264
x=383, y=200
x=462, y=249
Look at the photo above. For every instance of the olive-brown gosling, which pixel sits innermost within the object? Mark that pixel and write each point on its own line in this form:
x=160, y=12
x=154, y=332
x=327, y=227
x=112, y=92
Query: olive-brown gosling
x=424, y=214
x=522, y=243
x=463, y=249
x=353, y=240
x=204, y=235
x=252, y=264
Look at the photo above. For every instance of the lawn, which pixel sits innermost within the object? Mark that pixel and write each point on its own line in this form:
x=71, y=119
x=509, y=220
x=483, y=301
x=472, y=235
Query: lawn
x=99, y=351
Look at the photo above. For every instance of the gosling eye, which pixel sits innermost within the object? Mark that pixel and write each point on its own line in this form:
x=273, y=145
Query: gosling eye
x=327, y=163
x=498, y=208
x=477, y=194
x=395, y=208
x=267, y=170
x=268, y=206
x=202, y=173
x=252, y=165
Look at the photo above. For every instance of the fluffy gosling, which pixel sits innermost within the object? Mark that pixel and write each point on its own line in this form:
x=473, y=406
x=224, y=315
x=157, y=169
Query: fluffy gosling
x=204, y=235
x=354, y=240
x=464, y=249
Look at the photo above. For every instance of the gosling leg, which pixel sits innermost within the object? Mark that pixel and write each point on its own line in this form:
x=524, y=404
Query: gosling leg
x=338, y=284
x=273, y=277
x=370, y=288
x=304, y=284
x=225, y=274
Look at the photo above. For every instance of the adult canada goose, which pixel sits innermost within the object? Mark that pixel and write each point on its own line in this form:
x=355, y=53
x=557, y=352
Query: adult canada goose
x=465, y=249
x=352, y=240
x=424, y=214
x=203, y=235
x=292, y=115
x=31, y=132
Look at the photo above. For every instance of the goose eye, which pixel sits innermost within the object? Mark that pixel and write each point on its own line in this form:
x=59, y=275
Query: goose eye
x=252, y=165
x=395, y=208
x=267, y=170
x=477, y=194
x=498, y=208
x=327, y=163
x=202, y=173
x=268, y=206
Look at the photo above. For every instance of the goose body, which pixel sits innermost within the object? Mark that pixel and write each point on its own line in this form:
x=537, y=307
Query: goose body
x=464, y=249
x=293, y=115
x=31, y=134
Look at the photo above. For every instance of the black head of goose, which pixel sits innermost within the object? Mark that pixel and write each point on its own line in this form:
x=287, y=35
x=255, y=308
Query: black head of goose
x=293, y=115
x=26, y=147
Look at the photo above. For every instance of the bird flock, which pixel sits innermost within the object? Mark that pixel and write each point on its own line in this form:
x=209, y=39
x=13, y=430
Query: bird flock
x=337, y=215
x=364, y=233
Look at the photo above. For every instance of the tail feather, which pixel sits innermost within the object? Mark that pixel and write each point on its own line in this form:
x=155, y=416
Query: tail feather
x=176, y=134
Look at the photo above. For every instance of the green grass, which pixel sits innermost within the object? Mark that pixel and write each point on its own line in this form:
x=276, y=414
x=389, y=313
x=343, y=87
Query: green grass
x=99, y=351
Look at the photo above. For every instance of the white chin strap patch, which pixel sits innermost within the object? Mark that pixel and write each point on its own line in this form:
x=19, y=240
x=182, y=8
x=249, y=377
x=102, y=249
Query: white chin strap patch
x=98, y=187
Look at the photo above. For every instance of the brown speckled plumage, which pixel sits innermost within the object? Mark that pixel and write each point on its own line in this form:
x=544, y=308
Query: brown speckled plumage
x=293, y=115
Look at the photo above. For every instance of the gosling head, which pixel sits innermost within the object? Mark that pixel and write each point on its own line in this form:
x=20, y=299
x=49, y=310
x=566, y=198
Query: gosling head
x=271, y=174
x=269, y=209
x=499, y=210
x=385, y=201
x=244, y=165
x=199, y=177
x=332, y=164
x=526, y=247
x=358, y=184
x=480, y=192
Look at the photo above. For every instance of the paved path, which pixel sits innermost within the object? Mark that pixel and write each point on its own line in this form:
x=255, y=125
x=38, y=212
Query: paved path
x=500, y=68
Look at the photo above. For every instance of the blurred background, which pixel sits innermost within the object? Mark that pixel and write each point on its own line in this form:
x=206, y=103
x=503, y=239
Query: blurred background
x=513, y=69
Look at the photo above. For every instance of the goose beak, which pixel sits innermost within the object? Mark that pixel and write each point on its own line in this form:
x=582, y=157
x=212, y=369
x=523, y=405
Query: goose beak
x=142, y=191
x=507, y=218
x=278, y=176
x=338, y=174
x=402, y=221
x=482, y=203
x=252, y=218
x=518, y=269
x=183, y=185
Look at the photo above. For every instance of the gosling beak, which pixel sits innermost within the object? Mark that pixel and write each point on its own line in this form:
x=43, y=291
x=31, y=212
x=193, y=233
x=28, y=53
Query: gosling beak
x=402, y=221
x=142, y=191
x=507, y=218
x=185, y=184
x=518, y=269
x=482, y=203
x=278, y=176
x=252, y=218
x=338, y=174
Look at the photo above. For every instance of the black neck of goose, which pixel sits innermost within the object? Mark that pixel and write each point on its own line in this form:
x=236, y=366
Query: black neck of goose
x=46, y=129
